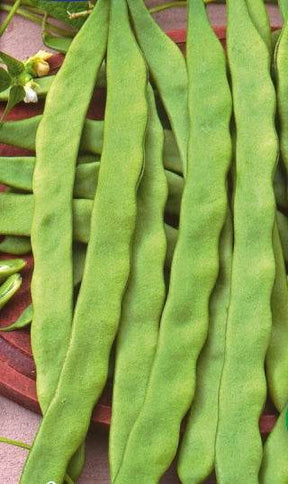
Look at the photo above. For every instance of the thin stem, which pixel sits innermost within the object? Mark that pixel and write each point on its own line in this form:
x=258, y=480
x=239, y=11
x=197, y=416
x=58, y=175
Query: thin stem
x=37, y=20
x=9, y=17
x=16, y=443
x=174, y=4
x=22, y=445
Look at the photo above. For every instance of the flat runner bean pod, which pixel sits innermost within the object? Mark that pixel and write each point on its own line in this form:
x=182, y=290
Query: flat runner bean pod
x=170, y=77
x=107, y=265
x=57, y=145
x=15, y=245
x=274, y=468
x=277, y=357
x=283, y=4
x=17, y=172
x=281, y=70
x=79, y=255
x=22, y=134
x=238, y=443
x=282, y=222
x=197, y=452
x=22, y=322
x=154, y=438
x=145, y=295
x=260, y=18
x=10, y=266
x=9, y=288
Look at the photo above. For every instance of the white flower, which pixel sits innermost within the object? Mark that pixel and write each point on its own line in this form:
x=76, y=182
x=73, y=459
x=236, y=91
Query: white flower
x=31, y=95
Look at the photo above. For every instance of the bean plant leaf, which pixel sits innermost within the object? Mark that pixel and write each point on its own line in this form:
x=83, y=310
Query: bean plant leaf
x=61, y=44
x=5, y=80
x=16, y=95
x=59, y=10
x=14, y=66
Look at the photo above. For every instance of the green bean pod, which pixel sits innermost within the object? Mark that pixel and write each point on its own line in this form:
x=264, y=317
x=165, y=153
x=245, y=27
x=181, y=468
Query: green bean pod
x=283, y=4
x=145, y=295
x=22, y=133
x=22, y=322
x=243, y=386
x=53, y=180
x=260, y=18
x=277, y=356
x=15, y=245
x=282, y=222
x=107, y=265
x=170, y=77
x=274, y=468
x=183, y=329
x=10, y=266
x=197, y=452
x=9, y=288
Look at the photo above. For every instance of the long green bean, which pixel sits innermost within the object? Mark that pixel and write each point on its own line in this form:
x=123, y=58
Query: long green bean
x=108, y=258
x=153, y=441
x=197, y=453
x=145, y=296
x=53, y=180
x=238, y=443
x=170, y=77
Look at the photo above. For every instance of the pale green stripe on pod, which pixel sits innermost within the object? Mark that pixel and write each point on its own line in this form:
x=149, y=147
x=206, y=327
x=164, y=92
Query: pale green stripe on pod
x=107, y=265
x=153, y=441
x=170, y=76
x=197, y=452
x=145, y=296
x=243, y=387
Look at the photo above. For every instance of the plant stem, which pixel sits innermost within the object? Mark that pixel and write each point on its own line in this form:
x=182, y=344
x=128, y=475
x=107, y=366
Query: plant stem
x=9, y=17
x=16, y=443
x=37, y=20
x=165, y=6
x=22, y=445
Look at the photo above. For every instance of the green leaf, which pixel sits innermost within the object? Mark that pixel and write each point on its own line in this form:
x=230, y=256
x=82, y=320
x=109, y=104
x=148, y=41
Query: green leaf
x=17, y=94
x=5, y=80
x=14, y=66
x=59, y=10
x=61, y=44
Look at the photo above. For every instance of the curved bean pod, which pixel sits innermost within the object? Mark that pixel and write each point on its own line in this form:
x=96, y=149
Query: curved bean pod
x=22, y=134
x=10, y=266
x=15, y=245
x=64, y=115
x=169, y=77
x=98, y=305
x=238, y=443
x=260, y=18
x=154, y=438
x=277, y=357
x=197, y=452
x=274, y=468
x=9, y=288
x=22, y=322
x=282, y=222
x=145, y=295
